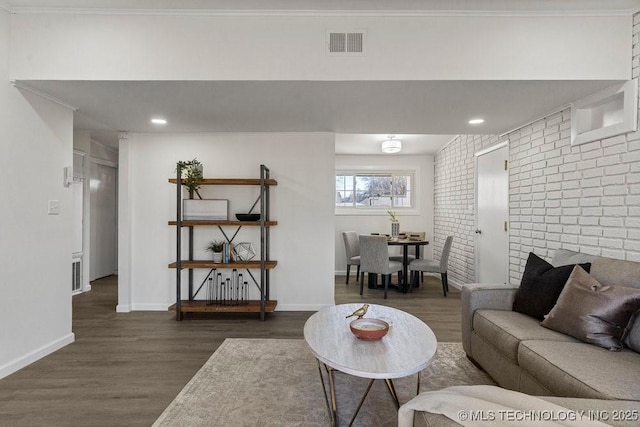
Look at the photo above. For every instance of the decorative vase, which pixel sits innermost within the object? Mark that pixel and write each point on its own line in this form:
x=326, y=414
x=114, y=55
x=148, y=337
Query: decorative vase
x=217, y=257
x=395, y=229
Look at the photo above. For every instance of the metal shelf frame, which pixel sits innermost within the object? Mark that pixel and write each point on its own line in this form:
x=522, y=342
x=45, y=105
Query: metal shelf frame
x=265, y=264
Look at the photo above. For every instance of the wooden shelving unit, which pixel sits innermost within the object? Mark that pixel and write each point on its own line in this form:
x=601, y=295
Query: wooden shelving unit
x=264, y=264
x=207, y=223
x=235, y=264
x=231, y=181
x=201, y=307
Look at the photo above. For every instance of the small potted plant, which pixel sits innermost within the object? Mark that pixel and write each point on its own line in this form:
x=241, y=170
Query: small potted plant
x=191, y=175
x=216, y=247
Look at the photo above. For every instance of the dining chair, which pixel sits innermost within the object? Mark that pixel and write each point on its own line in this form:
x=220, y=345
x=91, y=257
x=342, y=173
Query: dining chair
x=352, y=249
x=433, y=266
x=374, y=259
x=410, y=257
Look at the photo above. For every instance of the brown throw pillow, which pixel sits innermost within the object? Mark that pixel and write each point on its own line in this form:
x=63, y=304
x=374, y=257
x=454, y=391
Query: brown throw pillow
x=591, y=312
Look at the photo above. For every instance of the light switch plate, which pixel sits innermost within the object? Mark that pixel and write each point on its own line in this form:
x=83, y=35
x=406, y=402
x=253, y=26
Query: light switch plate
x=54, y=207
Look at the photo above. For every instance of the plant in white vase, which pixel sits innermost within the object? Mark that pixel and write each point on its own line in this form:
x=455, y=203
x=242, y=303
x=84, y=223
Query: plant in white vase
x=395, y=224
x=216, y=247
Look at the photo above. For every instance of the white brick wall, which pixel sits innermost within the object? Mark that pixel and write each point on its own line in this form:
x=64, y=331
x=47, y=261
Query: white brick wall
x=585, y=198
x=454, y=196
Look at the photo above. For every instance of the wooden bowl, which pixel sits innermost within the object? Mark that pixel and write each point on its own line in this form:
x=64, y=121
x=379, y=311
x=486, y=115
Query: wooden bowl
x=369, y=329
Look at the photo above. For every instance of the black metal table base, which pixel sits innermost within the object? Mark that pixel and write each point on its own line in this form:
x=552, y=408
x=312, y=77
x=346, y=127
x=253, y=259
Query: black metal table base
x=372, y=283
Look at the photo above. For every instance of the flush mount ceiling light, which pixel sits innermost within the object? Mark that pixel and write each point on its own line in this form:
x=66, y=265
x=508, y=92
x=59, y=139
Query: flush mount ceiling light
x=391, y=145
x=476, y=121
x=158, y=121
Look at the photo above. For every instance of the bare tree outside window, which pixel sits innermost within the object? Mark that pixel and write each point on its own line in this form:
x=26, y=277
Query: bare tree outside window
x=374, y=190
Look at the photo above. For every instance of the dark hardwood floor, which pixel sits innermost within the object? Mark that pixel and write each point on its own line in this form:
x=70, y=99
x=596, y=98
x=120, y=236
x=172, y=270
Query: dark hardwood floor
x=124, y=369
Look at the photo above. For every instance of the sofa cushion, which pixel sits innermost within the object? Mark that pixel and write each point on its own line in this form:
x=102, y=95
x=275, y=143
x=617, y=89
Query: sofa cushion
x=505, y=329
x=541, y=286
x=616, y=272
x=567, y=257
x=619, y=413
x=582, y=370
x=591, y=312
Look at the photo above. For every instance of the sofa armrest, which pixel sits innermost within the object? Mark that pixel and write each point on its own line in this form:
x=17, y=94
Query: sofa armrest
x=476, y=296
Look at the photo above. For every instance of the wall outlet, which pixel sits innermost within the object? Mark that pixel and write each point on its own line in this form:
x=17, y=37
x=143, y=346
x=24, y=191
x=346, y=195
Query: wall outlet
x=54, y=207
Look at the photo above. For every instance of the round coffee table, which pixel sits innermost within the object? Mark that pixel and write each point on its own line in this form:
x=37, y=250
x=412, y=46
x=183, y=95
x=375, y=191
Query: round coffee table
x=407, y=349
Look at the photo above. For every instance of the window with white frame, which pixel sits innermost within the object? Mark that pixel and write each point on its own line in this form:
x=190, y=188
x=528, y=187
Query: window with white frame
x=367, y=190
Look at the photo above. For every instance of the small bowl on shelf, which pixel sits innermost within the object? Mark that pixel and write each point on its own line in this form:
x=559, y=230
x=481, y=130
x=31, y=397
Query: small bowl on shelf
x=369, y=329
x=248, y=217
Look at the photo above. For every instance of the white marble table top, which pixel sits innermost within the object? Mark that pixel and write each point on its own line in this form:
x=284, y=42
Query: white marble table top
x=408, y=347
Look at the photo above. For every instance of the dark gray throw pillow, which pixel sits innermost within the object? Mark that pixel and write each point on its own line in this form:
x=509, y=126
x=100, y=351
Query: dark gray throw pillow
x=541, y=286
x=632, y=334
x=591, y=312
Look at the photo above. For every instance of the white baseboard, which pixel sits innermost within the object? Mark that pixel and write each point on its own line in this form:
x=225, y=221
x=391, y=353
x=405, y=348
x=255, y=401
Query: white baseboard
x=149, y=307
x=123, y=308
x=29, y=358
x=456, y=285
x=301, y=307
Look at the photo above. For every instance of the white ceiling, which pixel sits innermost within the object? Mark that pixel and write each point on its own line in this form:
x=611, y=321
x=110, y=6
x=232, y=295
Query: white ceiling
x=425, y=114
x=435, y=5
x=355, y=107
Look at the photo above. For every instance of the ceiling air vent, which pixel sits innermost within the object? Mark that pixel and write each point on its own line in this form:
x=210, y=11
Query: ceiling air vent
x=340, y=43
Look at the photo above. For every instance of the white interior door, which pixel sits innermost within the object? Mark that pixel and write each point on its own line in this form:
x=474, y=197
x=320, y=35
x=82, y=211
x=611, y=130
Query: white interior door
x=78, y=203
x=103, y=215
x=492, y=215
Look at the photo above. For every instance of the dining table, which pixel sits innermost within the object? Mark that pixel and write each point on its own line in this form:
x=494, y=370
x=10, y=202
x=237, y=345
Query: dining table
x=406, y=243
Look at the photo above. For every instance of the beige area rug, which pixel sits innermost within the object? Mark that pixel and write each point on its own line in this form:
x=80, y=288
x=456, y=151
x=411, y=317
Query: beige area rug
x=275, y=382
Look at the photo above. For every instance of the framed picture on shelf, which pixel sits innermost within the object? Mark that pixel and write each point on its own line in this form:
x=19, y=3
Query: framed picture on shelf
x=205, y=209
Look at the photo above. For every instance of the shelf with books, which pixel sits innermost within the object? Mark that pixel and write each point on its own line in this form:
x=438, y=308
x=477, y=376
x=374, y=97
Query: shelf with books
x=230, y=260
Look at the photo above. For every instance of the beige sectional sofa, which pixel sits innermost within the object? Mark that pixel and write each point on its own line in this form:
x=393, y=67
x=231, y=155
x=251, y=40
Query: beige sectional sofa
x=522, y=355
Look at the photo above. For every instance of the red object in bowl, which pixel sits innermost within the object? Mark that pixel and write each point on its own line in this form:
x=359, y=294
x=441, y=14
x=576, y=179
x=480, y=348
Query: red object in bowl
x=369, y=329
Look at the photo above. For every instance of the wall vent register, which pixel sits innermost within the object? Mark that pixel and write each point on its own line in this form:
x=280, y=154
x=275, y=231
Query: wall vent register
x=346, y=42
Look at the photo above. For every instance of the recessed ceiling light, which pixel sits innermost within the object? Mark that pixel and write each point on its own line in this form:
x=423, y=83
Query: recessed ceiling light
x=158, y=121
x=476, y=121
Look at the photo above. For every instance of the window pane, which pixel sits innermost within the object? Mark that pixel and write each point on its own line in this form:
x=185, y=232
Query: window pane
x=402, y=190
x=403, y=201
x=374, y=190
x=344, y=190
x=381, y=186
x=400, y=185
x=363, y=190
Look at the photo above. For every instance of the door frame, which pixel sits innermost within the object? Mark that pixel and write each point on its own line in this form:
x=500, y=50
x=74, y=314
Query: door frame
x=477, y=155
x=114, y=165
x=86, y=229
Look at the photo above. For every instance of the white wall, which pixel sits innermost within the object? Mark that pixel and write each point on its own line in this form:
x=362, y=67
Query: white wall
x=418, y=219
x=584, y=198
x=302, y=203
x=137, y=47
x=35, y=251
